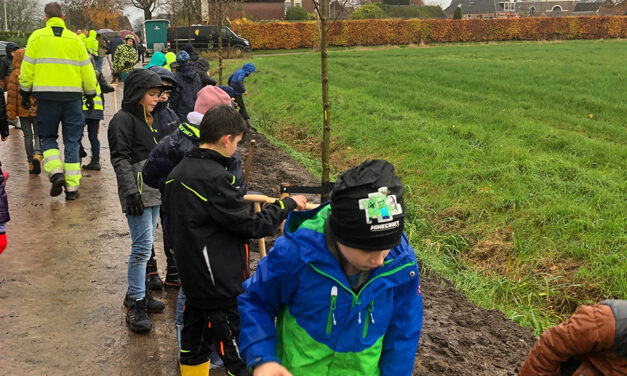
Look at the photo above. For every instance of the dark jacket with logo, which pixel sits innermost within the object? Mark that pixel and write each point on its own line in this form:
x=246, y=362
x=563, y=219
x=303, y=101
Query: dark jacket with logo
x=131, y=138
x=210, y=223
x=592, y=342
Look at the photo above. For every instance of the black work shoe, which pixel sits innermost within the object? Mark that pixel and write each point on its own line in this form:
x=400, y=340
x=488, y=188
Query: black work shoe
x=153, y=281
x=172, y=278
x=58, y=182
x=71, y=196
x=94, y=165
x=136, y=316
x=152, y=305
x=36, y=164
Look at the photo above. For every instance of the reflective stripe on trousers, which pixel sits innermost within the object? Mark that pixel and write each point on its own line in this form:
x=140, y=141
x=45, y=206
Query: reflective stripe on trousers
x=52, y=162
x=72, y=176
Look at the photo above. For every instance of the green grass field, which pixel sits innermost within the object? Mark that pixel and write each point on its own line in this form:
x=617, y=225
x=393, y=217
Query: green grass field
x=514, y=156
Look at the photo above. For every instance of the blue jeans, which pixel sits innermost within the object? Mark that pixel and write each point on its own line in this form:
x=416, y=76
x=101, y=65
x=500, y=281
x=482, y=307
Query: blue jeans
x=92, y=133
x=178, y=316
x=98, y=61
x=70, y=114
x=142, y=236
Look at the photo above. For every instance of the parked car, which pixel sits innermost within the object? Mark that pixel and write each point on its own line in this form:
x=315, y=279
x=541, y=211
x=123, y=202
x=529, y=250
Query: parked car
x=205, y=37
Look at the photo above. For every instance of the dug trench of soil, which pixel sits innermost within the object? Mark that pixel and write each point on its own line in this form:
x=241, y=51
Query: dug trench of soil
x=63, y=278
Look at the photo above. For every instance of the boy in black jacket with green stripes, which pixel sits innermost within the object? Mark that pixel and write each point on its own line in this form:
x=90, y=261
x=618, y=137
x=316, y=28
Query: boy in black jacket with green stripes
x=210, y=224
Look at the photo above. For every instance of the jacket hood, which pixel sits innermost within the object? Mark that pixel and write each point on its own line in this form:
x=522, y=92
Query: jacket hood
x=10, y=47
x=18, y=57
x=136, y=85
x=157, y=60
x=92, y=34
x=248, y=68
x=229, y=90
x=189, y=49
x=165, y=74
x=202, y=64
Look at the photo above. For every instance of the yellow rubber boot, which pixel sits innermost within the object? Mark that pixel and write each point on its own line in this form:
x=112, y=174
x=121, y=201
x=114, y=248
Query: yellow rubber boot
x=197, y=370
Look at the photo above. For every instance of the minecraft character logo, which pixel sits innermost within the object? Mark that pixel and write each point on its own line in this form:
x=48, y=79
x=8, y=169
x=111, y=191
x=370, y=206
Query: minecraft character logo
x=381, y=206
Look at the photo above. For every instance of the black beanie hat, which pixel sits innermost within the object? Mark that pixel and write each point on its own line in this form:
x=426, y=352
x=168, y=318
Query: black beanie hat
x=367, y=207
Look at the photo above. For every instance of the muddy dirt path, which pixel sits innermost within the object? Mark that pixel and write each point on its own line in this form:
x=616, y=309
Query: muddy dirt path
x=63, y=278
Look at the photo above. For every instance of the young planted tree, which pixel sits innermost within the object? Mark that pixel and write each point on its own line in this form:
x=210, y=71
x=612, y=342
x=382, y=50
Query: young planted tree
x=218, y=10
x=322, y=11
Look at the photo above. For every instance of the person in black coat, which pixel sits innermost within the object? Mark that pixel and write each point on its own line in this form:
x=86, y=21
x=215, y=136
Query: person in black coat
x=184, y=96
x=6, y=64
x=4, y=121
x=210, y=225
x=202, y=67
x=131, y=138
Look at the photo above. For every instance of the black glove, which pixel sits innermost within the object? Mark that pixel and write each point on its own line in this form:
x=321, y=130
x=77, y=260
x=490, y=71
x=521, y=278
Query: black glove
x=134, y=204
x=89, y=102
x=25, y=102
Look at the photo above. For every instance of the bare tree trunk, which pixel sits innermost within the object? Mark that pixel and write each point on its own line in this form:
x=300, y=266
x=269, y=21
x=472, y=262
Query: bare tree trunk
x=326, y=121
x=147, y=14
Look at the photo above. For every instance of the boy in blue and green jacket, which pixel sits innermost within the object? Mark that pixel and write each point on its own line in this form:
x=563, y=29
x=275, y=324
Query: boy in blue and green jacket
x=342, y=283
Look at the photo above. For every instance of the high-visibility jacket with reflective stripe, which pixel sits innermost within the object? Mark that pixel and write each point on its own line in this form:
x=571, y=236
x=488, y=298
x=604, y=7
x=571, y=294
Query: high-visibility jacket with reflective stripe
x=91, y=43
x=57, y=62
x=98, y=105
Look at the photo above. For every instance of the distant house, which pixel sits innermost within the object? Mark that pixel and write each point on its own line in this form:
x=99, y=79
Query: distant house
x=255, y=10
x=546, y=8
x=485, y=9
x=585, y=8
x=339, y=11
x=610, y=8
x=307, y=4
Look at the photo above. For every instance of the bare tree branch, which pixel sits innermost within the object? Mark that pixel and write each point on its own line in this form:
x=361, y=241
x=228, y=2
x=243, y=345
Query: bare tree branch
x=148, y=6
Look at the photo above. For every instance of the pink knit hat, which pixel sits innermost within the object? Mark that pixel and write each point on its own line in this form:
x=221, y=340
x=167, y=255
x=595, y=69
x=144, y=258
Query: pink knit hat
x=208, y=97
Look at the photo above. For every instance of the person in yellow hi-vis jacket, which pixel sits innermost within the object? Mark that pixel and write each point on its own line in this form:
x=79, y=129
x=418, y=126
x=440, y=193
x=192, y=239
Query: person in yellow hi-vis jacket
x=57, y=71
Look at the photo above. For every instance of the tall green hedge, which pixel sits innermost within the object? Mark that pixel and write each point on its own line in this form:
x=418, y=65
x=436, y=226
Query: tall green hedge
x=367, y=11
x=16, y=37
x=296, y=13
